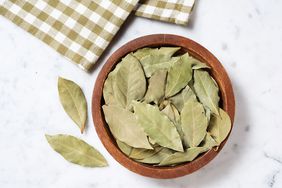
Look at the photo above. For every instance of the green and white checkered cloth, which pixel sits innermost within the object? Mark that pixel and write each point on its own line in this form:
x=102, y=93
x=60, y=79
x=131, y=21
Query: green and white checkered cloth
x=174, y=11
x=82, y=29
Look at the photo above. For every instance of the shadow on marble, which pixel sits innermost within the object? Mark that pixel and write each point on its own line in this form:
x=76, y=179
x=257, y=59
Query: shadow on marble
x=229, y=157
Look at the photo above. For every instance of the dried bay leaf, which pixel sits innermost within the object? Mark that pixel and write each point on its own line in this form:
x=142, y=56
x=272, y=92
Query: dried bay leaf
x=130, y=82
x=76, y=151
x=138, y=153
x=194, y=123
x=153, y=59
x=196, y=64
x=125, y=128
x=178, y=76
x=179, y=99
x=206, y=90
x=108, y=91
x=180, y=157
x=73, y=101
x=143, y=52
x=156, y=87
x=150, y=69
x=157, y=157
x=173, y=114
x=220, y=126
x=209, y=142
x=126, y=149
x=157, y=126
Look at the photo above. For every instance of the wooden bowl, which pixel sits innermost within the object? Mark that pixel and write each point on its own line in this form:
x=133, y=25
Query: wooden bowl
x=196, y=50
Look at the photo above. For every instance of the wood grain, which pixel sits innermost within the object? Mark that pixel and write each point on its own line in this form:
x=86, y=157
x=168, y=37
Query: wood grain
x=194, y=49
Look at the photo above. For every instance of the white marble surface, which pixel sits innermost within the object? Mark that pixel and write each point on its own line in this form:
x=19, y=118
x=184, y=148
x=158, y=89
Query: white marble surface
x=245, y=35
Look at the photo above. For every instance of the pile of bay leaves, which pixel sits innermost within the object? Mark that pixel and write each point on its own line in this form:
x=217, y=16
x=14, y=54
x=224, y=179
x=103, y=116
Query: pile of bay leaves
x=163, y=109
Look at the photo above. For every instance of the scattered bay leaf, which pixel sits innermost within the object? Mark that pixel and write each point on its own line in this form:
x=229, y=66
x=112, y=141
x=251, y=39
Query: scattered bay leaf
x=125, y=128
x=206, y=90
x=157, y=126
x=76, y=151
x=73, y=101
x=156, y=87
x=130, y=82
x=220, y=126
x=178, y=76
x=194, y=123
x=180, y=157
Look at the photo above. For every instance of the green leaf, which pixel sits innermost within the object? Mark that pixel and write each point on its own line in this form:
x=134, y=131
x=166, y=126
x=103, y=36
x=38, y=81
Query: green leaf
x=157, y=126
x=194, y=123
x=156, y=87
x=125, y=128
x=130, y=82
x=206, y=90
x=153, y=59
x=180, y=99
x=220, y=126
x=158, y=157
x=76, y=151
x=178, y=76
x=73, y=101
x=180, y=157
x=108, y=90
x=138, y=153
x=126, y=149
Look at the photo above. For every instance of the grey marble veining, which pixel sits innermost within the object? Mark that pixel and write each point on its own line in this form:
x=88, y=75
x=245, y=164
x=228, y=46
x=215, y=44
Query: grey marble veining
x=246, y=36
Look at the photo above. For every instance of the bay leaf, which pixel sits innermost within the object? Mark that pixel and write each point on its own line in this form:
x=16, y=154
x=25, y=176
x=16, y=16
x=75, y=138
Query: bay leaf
x=178, y=76
x=125, y=128
x=196, y=64
x=206, y=90
x=126, y=149
x=179, y=99
x=138, y=153
x=76, y=151
x=152, y=141
x=73, y=101
x=154, y=59
x=157, y=157
x=220, y=126
x=194, y=123
x=130, y=82
x=209, y=142
x=156, y=87
x=157, y=126
x=150, y=68
x=208, y=114
x=163, y=104
x=108, y=91
x=180, y=157
x=143, y=52
x=172, y=113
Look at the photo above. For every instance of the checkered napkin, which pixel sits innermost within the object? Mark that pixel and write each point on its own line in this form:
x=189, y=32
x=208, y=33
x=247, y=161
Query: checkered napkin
x=174, y=11
x=82, y=29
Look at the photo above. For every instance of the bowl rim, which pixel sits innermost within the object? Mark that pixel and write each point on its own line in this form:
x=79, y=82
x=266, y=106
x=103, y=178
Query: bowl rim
x=157, y=40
